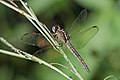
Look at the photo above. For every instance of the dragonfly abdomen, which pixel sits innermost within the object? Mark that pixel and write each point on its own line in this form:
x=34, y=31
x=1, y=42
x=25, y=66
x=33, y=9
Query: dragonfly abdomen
x=72, y=49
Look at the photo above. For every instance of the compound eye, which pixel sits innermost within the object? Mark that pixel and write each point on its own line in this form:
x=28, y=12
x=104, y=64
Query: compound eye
x=54, y=29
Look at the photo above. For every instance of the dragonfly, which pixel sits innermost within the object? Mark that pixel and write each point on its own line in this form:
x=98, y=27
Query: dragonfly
x=76, y=37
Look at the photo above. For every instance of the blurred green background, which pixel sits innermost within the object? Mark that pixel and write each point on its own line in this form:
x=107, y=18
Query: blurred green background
x=102, y=53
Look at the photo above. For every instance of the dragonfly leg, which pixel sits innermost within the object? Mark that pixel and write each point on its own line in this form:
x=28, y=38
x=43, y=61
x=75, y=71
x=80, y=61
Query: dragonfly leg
x=55, y=36
x=58, y=40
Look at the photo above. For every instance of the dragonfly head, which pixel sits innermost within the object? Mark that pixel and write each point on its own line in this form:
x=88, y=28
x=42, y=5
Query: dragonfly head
x=55, y=28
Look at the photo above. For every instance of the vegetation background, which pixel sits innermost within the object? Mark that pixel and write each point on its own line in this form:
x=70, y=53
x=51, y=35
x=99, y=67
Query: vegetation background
x=102, y=53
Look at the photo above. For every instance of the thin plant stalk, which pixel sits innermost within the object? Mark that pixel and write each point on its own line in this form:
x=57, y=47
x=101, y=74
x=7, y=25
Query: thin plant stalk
x=111, y=76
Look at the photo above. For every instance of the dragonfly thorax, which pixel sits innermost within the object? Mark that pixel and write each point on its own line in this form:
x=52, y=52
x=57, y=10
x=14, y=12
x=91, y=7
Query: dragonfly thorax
x=60, y=35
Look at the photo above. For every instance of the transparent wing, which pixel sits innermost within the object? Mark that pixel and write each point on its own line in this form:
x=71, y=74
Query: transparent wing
x=84, y=35
x=78, y=33
x=46, y=52
x=34, y=39
x=77, y=24
x=49, y=55
x=81, y=18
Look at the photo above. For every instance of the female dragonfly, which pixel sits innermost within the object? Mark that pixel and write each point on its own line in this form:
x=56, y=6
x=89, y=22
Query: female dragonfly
x=78, y=37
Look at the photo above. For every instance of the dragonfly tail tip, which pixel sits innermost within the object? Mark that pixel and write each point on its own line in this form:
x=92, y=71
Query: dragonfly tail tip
x=88, y=70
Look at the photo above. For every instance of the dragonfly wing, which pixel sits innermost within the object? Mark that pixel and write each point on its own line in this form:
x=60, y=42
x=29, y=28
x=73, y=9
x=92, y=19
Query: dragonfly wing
x=49, y=55
x=75, y=26
x=83, y=36
x=79, y=34
x=34, y=39
x=81, y=18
